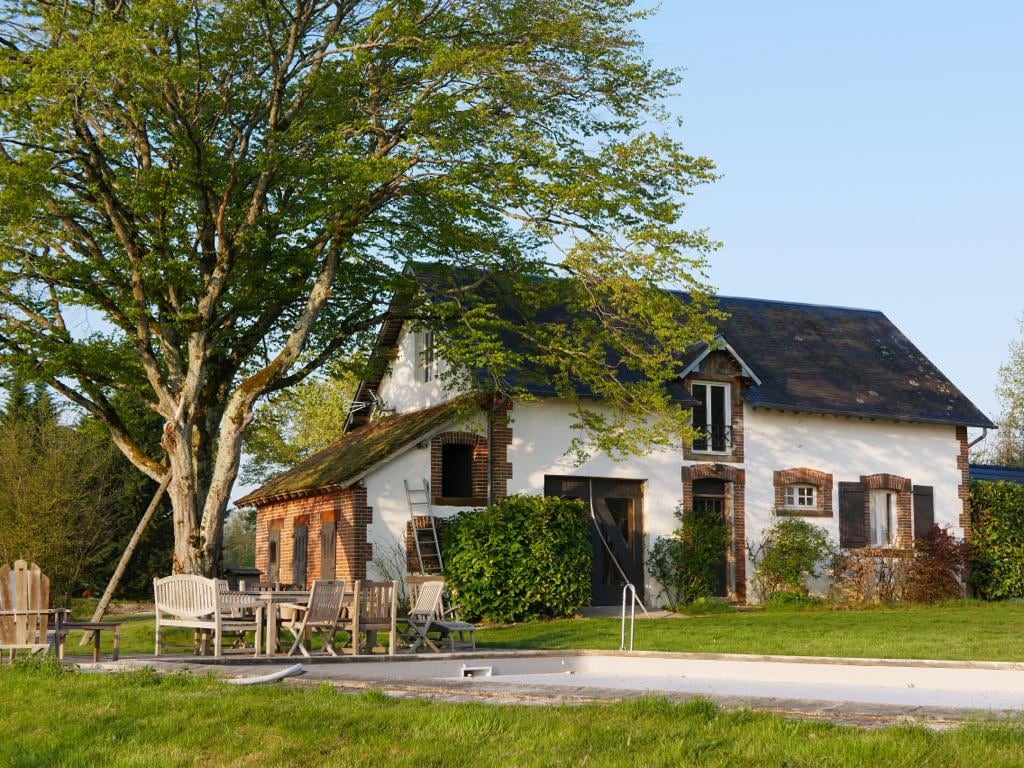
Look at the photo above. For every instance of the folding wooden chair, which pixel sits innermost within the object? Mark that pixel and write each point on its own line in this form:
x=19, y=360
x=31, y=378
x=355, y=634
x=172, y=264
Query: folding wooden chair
x=322, y=613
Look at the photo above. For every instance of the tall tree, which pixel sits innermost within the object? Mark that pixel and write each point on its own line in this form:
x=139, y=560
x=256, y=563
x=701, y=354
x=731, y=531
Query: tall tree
x=1008, y=445
x=201, y=202
x=296, y=423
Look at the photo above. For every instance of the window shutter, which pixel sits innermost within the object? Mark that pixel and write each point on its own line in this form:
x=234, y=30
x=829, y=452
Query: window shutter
x=853, y=530
x=274, y=555
x=299, y=559
x=924, y=510
x=328, y=549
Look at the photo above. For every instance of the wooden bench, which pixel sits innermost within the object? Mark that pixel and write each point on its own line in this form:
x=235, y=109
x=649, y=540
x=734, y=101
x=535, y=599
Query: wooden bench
x=96, y=627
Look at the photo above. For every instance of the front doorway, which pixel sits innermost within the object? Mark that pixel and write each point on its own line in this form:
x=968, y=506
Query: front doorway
x=709, y=497
x=617, y=538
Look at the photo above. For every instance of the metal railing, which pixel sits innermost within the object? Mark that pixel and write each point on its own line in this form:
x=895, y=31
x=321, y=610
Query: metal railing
x=716, y=438
x=629, y=589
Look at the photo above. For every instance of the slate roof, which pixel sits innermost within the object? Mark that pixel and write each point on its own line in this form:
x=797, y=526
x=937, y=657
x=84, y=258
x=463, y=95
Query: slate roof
x=342, y=463
x=807, y=357
x=836, y=360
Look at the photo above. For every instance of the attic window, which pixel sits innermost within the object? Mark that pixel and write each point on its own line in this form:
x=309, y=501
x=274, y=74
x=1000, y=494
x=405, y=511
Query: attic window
x=711, y=418
x=424, y=356
x=801, y=497
x=457, y=471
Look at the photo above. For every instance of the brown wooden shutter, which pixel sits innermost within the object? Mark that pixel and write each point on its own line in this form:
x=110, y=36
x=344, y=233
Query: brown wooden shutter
x=924, y=510
x=274, y=555
x=328, y=549
x=299, y=559
x=853, y=529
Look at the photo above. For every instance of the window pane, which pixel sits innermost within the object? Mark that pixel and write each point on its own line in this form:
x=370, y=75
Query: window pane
x=790, y=496
x=700, y=412
x=718, y=406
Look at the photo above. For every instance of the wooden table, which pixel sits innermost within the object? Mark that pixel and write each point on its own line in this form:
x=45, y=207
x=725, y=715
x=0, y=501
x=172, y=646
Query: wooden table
x=271, y=600
x=96, y=627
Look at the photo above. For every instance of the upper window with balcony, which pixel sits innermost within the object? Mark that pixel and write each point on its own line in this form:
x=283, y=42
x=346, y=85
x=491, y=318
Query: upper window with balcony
x=712, y=418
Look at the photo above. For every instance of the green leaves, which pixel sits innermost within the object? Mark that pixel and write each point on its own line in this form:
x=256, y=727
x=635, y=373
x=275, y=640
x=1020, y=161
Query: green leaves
x=525, y=557
x=997, y=539
x=687, y=563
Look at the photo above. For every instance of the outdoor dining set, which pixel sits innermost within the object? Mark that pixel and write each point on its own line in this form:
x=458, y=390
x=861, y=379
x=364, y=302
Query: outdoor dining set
x=359, y=612
x=344, y=617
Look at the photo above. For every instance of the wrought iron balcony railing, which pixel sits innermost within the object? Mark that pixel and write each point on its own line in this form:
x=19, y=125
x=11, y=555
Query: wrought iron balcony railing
x=715, y=439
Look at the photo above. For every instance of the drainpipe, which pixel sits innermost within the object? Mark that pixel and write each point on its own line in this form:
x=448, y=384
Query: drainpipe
x=978, y=439
x=490, y=451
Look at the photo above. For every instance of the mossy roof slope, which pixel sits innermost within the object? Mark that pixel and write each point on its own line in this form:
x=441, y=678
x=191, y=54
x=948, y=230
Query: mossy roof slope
x=343, y=462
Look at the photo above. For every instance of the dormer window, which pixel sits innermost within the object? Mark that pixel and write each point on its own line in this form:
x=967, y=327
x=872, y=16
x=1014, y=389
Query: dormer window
x=424, y=356
x=711, y=418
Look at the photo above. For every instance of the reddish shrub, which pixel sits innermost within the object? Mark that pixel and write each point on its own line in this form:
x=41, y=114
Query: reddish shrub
x=937, y=569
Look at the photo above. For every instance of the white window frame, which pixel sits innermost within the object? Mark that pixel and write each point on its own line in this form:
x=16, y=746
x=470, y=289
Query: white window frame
x=727, y=407
x=425, y=358
x=882, y=515
x=800, y=496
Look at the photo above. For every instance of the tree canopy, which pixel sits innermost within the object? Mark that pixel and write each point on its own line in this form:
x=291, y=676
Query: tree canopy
x=1008, y=445
x=203, y=202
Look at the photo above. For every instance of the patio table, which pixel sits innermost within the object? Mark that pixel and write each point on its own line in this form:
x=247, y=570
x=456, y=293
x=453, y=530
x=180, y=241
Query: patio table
x=271, y=600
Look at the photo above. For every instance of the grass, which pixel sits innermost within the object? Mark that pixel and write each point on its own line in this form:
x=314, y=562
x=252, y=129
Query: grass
x=963, y=630
x=68, y=719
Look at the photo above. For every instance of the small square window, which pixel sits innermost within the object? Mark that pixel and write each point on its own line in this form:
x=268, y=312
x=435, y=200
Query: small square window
x=800, y=497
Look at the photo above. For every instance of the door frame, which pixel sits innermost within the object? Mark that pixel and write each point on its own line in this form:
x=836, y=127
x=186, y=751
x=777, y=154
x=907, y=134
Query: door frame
x=592, y=490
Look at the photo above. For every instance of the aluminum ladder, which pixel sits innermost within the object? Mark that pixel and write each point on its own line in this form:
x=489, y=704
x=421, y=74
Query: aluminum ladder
x=424, y=532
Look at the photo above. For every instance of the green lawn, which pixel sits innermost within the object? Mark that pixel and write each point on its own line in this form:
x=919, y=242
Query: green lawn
x=140, y=719
x=963, y=630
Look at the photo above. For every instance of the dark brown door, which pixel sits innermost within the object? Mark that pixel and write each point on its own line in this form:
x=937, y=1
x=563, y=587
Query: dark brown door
x=616, y=531
x=709, y=499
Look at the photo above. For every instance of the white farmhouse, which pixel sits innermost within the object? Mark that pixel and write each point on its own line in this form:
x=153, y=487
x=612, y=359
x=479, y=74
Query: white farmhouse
x=826, y=413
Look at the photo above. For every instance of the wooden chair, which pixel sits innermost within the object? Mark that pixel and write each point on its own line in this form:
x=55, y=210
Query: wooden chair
x=428, y=615
x=25, y=611
x=374, y=607
x=322, y=613
x=199, y=603
x=414, y=583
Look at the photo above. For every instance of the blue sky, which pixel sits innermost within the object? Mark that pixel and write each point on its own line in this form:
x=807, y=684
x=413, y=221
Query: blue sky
x=871, y=155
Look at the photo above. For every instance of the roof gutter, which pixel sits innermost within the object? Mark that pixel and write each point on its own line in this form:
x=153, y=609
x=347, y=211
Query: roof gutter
x=978, y=439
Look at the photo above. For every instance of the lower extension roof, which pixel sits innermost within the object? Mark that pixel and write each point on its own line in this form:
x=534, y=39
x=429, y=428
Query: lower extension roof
x=350, y=458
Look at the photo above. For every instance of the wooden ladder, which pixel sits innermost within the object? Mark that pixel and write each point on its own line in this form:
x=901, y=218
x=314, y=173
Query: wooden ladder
x=424, y=532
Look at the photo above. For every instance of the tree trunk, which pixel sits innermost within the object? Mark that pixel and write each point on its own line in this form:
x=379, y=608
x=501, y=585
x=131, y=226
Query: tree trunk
x=188, y=549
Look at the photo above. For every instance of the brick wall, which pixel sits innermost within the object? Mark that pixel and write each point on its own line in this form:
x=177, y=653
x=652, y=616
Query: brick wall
x=963, y=463
x=501, y=432
x=351, y=514
x=735, y=491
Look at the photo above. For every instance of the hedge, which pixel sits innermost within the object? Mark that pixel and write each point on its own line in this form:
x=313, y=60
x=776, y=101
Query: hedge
x=525, y=557
x=997, y=539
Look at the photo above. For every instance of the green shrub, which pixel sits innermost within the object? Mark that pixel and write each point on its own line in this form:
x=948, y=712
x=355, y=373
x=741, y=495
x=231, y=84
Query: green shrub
x=791, y=552
x=525, y=557
x=686, y=563
x=997, y=539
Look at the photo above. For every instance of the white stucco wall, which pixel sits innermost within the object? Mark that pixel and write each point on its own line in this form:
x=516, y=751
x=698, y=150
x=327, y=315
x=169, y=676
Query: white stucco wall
x=385, y=493
x=844, y=447
x=402, y=391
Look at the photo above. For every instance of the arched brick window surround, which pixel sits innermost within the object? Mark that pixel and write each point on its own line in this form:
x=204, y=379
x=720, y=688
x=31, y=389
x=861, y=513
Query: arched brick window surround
x=735, y=480
x=822, y=481
x=903, y=488
x=479, y=446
